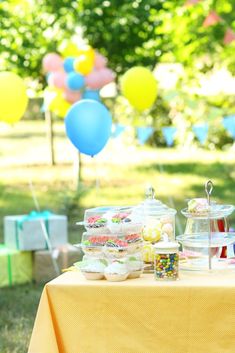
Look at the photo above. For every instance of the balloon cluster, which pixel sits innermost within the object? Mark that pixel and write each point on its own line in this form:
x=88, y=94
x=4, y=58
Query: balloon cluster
x=73, y=78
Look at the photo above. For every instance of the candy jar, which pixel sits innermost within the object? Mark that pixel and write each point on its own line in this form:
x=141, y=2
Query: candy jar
x=166, y=261
x=158, y=223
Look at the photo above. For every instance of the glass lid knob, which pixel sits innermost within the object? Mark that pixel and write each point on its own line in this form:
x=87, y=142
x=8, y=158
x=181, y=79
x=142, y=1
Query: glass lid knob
x=150, y=192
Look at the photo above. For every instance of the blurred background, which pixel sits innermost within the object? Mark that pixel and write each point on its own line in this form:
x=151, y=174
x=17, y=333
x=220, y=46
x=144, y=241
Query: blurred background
x=183, y=139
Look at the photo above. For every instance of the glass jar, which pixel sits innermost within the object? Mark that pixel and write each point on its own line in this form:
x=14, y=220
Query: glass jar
x=166, y=261
x=158, y=220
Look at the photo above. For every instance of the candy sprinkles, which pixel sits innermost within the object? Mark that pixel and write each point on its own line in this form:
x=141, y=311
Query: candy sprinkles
x=166, y=261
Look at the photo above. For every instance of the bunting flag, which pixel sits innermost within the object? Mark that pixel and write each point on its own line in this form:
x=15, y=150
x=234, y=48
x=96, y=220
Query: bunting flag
x=143, y=134
x=229, y=36
x=201, y=132
x=169, y=134
x=211, y=19
x=229, y=125
x=117, y=130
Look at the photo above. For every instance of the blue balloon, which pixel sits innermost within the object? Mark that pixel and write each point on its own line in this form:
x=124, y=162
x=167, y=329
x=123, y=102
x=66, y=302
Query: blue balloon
x=75, y=81
x=68, y=64
x=88, y=126
x=91, y=94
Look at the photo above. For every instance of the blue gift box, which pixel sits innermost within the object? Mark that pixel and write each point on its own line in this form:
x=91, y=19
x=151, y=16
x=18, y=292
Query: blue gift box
x=25, y=232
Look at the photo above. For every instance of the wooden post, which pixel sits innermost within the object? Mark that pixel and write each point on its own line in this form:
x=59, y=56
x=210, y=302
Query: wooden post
x=50, y=136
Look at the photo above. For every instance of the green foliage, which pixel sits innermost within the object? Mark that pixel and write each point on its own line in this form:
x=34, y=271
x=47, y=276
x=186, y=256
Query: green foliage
x=129, y=33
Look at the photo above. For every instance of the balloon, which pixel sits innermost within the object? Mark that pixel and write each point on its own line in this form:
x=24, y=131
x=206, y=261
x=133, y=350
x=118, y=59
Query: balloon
x=52, y=62
x=100, y=61
x=107, y=76
x=72, y=96
x=13, y=97
x=84, y=64
x=69, y=49
x=75, y=81
x=94, y=80
x=68, y=64
x=57, y=79
x=88, y=51
x=139, y=86
x=91, y=94
x=59, y=105
x=88, y=126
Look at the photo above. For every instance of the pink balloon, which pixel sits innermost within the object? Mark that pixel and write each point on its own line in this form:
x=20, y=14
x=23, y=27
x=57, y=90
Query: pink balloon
x=52, y=62
x=72, y=96
x=100, y=61
x=107, y=76
x=57, y=79
x=94, y=80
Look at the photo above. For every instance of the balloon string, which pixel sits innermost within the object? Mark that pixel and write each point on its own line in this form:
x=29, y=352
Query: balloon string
x=44, y=230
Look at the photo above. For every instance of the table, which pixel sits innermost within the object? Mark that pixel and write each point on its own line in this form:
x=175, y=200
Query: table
x=193, y=315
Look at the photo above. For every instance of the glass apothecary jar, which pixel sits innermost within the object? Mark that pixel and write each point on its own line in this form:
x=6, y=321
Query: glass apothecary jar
x=158, y=220
x=166, y=261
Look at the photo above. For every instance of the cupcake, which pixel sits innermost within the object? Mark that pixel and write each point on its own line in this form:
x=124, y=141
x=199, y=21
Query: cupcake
x=123, y=223
x=198, y=206
x=96, y=225
x=135, y=243
x=117, y=271
x=92, y=248
x=116, y=248
x=135, y=266
x=93, y=269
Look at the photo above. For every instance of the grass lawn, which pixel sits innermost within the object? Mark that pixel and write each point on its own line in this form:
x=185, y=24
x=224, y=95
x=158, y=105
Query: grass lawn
x=118, y=175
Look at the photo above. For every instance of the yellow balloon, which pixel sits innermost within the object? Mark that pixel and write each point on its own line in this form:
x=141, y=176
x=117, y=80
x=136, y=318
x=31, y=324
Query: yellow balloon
x=139, y=86
x=59, y=105
x=84, y=64
x=69, y=49
x=13, y=97
x=88, y=51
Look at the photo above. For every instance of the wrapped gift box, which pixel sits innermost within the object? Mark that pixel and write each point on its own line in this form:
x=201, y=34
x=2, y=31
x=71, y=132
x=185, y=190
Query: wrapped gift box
x=65, y=257
x=16, y=267
x=25, y=232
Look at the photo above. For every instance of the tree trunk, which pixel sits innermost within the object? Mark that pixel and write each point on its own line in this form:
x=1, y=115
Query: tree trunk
x=50, y=136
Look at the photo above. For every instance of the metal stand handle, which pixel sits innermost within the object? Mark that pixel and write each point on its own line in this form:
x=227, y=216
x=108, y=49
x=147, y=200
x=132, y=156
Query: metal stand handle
x=208, y=189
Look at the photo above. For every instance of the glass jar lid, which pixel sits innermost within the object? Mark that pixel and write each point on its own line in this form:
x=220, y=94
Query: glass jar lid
x=153, y=207
x=166, y=247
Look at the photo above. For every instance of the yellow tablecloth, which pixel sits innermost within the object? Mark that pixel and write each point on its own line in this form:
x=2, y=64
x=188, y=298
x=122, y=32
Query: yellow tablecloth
x=193, y=315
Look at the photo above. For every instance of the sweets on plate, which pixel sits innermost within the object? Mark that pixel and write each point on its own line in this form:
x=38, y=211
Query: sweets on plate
x=198, y=206
x=117, y=271
x=92, y=269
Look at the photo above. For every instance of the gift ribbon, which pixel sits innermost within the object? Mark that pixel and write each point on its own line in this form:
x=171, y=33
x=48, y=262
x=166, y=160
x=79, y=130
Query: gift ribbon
x=9, y=268
x=34, y=215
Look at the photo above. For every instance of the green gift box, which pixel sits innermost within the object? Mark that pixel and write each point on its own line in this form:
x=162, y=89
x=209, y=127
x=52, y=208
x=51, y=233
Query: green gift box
x=16, y=267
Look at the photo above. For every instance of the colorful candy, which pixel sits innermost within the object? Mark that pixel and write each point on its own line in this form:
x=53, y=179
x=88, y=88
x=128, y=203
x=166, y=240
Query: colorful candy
x=166, y=261
x=166, y=266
